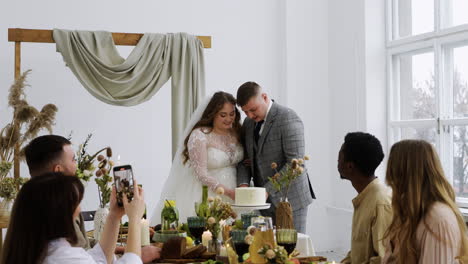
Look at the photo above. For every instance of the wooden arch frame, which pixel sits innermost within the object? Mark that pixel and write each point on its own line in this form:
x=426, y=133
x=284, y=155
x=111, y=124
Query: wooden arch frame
x=19, y=35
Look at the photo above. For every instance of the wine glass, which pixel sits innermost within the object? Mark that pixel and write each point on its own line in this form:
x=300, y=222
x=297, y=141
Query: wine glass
x=238, y=239
x=287, y=238
x=196, y=225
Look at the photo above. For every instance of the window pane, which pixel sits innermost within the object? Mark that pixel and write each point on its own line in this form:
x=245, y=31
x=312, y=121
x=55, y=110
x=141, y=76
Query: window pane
x=460, y=81
x=417, y=86
x=415, y=17
x=460, y=160
x=425, y=133
x=458, y=11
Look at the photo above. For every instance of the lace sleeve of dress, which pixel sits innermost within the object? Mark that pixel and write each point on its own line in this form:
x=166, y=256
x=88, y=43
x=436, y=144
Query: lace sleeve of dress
x=198, y=155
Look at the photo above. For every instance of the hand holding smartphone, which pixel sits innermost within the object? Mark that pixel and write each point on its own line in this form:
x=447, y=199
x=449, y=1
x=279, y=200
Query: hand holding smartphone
x=123, y=179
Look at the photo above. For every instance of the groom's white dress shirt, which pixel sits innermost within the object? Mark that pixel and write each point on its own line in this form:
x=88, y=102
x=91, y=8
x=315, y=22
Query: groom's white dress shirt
x=60, y=251
x=266, y=115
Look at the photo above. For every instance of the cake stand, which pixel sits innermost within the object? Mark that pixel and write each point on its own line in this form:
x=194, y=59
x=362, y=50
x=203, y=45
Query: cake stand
x=243, y=209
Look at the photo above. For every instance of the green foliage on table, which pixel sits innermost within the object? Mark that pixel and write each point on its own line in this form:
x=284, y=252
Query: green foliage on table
x=203, y=209
x=210, y=261
x=169, y=216
x=238, y=224
x=184, y=228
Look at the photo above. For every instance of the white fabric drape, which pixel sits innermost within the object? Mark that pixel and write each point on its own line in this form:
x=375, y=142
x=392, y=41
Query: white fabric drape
x=95, y=61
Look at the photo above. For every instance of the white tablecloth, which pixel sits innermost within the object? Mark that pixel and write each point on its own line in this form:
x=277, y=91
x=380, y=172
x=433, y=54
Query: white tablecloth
x=304, y=245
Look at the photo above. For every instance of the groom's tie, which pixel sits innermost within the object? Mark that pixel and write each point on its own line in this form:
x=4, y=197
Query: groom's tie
x=258, y=126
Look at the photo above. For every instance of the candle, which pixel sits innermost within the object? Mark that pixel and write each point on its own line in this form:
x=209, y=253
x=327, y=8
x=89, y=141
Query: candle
x=223, y=251
x=118, y=161
x=144, y=232
x=206, y=237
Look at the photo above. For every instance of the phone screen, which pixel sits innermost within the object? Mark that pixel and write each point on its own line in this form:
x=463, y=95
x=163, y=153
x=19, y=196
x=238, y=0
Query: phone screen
x=123, y=179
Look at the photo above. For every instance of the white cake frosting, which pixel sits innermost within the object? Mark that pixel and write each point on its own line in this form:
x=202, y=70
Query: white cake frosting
x=250, y=196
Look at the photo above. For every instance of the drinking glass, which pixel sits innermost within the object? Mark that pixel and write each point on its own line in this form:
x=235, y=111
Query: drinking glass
x=238, y=239
x=247, y=219
x=196, y=226
x=287, y=238
x=262, y=223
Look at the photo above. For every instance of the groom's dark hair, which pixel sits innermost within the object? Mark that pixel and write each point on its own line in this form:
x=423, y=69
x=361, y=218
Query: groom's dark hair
x=246, y=91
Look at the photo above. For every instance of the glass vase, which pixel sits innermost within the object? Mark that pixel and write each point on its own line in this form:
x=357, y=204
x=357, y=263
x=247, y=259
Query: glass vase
x=99, y=221
x=5, y=210
x=214, y=245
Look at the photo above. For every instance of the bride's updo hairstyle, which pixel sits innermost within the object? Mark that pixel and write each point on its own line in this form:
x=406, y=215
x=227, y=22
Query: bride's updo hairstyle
x=214, y=106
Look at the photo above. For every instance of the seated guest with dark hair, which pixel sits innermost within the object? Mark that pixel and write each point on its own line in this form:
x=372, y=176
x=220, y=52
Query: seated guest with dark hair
x=41, y=226
x=359, y=157
x=427, y=226
x=52, y=153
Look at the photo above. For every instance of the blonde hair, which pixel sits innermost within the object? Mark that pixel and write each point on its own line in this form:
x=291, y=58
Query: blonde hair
x=415, y=174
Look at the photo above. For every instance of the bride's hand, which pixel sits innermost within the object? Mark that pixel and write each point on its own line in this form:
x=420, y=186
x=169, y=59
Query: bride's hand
x=230, y=193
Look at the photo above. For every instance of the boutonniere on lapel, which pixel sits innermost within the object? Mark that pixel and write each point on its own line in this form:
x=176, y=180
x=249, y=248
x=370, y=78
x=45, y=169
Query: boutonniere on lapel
x=281, y=181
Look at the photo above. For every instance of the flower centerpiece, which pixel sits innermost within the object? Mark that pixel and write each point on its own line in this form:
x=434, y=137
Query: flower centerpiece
x=277, y=255
x=26, y=123
x=86, y=165
x=282, y=182
x=274, y=254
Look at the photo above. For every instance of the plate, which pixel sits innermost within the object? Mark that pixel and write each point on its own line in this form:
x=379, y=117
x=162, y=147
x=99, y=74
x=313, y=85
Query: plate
x=239, y=205
x=251, y=207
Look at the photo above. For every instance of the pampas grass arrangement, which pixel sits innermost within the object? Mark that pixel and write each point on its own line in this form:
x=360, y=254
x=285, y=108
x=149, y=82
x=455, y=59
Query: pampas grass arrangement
x=26, y=123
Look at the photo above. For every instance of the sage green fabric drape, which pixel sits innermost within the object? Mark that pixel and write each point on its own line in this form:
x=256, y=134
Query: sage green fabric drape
x=95, y=61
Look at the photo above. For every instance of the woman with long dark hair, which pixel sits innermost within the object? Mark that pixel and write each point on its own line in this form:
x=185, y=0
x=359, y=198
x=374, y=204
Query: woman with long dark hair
x=427, y=226
x=41, y=226
x=208, y=156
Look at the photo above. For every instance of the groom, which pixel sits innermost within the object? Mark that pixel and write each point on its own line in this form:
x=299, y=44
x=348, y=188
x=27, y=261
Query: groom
x=272, y=133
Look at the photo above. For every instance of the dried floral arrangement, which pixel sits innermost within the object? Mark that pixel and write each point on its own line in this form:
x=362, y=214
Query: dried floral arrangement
x=26, y=123
x=86, y=166
x=282, y=180
x=9, y=186
x=214, y=210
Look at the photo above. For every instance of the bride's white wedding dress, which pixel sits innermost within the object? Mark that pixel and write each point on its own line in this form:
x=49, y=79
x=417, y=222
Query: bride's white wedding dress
x=213, y=161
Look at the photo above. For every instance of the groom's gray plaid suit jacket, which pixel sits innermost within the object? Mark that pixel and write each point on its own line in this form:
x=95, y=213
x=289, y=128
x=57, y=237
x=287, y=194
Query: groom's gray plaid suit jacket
x=281, y=140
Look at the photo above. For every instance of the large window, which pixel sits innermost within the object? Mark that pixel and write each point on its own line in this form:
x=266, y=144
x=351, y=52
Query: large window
x=427, y=54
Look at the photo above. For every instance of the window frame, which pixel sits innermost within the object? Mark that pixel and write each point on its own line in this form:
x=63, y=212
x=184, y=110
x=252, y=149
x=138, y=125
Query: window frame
x=440, y=41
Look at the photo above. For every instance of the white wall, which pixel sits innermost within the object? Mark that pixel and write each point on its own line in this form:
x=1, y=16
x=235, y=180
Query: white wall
x=357, y=85
x=308, y=94
x=311, y=55
x=245, y=44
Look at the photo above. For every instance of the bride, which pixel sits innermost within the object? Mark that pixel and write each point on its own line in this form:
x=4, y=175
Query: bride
x=208, y=156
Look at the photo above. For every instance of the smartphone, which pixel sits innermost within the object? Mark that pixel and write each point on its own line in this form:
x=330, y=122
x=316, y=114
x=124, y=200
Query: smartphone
x=123, y=180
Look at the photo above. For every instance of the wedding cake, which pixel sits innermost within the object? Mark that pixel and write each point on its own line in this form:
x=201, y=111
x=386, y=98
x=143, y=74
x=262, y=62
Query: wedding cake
x=250, y=196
